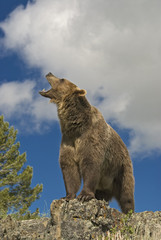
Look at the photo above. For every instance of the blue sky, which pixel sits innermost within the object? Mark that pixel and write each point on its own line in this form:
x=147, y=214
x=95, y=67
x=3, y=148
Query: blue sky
x=111, y=49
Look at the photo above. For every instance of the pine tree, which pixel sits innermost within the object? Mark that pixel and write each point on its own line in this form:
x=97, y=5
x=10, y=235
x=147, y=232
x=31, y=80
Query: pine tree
x=16, y=194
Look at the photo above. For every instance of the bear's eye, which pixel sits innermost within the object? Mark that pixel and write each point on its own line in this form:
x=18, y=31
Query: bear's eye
x=62, y=80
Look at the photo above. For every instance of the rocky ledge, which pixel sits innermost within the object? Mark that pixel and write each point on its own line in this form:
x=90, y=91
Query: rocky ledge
x=74, y=220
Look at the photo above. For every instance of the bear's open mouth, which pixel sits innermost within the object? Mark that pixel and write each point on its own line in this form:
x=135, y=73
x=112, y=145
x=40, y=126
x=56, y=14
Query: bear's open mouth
x=51, y=80
x=48, y=94
x=45, y=92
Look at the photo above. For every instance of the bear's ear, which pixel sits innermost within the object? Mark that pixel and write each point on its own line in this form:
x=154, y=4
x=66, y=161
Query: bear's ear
x=81, y=92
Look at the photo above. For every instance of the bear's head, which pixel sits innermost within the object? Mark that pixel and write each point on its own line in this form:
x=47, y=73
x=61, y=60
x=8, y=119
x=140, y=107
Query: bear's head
x=60, y=88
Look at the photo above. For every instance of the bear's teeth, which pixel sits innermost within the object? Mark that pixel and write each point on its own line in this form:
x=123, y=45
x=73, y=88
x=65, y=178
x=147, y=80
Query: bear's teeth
x=44, y=90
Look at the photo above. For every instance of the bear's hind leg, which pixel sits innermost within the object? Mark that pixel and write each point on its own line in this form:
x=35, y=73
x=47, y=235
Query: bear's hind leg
x=127, y=204
x=124, y=192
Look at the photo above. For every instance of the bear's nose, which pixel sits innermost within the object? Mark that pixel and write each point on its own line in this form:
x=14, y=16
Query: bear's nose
x=49, y=74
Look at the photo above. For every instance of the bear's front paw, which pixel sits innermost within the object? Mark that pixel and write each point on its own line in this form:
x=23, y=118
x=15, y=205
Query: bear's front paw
x=85, y=196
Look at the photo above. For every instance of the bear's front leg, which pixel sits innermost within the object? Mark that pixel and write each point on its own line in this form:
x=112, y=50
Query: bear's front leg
x=71, y=175
x=91, y=173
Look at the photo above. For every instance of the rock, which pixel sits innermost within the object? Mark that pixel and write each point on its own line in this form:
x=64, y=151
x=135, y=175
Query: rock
x=10, y=229
x=75, y=220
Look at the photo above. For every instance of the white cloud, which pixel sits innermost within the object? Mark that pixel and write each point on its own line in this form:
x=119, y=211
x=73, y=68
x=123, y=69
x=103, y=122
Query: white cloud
x=111, y=48
x=15, y=96
x=17, y=100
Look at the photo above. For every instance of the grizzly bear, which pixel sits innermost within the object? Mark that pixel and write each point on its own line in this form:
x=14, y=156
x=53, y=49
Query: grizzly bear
x=90, y=148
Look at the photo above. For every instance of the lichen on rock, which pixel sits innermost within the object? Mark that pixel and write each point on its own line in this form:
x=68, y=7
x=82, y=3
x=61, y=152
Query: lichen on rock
x=75, y=220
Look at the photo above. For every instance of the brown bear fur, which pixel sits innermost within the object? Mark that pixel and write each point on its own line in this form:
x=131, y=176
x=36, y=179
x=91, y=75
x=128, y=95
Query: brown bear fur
x=90, y=148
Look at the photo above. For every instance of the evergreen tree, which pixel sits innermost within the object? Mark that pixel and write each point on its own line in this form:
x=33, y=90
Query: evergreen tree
x=16, y=195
